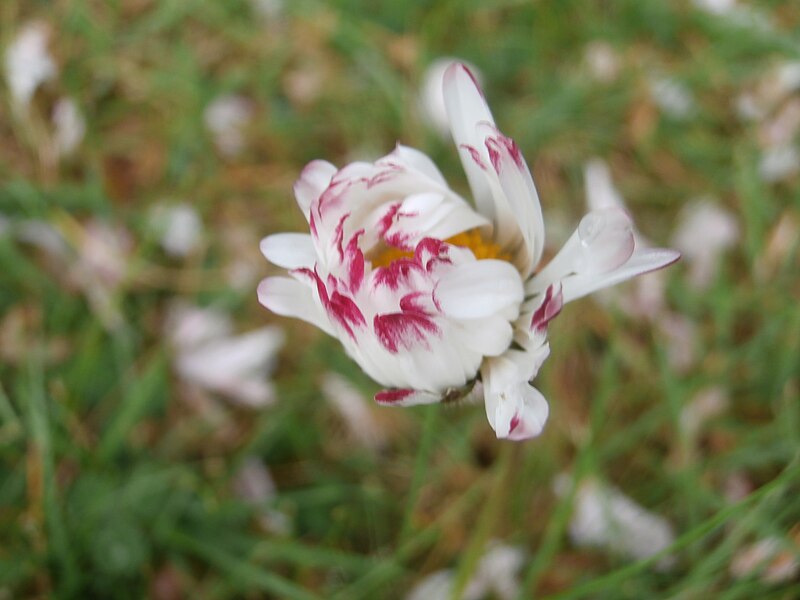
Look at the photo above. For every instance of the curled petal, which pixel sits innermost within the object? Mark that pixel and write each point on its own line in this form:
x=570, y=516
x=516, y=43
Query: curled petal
x=603, y=242
x=518, y=412
x=643, y=261
x=314, y=179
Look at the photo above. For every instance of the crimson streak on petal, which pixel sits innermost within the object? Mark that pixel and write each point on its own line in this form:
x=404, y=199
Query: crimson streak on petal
x=339, y=307
x=549, y=309
x=404, y=330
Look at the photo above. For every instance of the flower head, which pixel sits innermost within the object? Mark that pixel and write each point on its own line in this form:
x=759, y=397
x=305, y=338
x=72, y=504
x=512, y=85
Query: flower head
x=430, y=294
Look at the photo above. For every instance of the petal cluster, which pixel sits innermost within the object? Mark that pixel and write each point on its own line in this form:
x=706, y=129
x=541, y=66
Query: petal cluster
x=434, y=297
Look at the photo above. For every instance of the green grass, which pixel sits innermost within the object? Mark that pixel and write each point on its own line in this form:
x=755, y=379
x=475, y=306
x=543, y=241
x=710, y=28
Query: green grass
x=114, y=485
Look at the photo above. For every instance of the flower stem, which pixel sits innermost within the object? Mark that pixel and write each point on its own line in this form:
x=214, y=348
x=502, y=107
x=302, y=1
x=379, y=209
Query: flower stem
x=498, y=493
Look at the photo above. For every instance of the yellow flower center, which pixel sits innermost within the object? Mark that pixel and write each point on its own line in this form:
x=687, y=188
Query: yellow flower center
x=467, y=239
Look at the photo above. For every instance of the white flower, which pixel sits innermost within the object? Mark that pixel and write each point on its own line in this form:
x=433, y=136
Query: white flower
x=426, y=292
x=208, y=355
x=28, y=63
x=178, y=227
x=226, y=118
x=603, y=517
x=706, y=231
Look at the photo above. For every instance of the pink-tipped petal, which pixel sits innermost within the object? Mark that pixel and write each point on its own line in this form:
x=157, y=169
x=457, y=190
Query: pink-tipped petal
x=519, y=412
x=466, y=107
x=406, y=397
x=518, y=203
x=642, y=261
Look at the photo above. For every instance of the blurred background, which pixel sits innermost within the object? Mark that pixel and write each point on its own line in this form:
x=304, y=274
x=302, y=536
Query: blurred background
x=163, y=436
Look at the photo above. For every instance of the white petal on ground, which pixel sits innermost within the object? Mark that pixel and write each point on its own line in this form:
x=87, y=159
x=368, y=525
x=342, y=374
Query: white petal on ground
x=773, y=560
x=781, y=129
x=602, y=61
x=779, y=163
x=705, y=232
x=178, y=227
x=769, y=91
x=673, y=98
x=431, y=95
x=717, y=7
x=436, y=586
x=253, y=483
x=354, y=410
x=236, y=366
x=496, y=576
x=28, y=63
x=226, y=117
x=600, y=189
x=681, y=340
x=704, y=406
x=268, y=9
x=603, y=517
x=497, y=573
x=69, y=124
x=188, y=326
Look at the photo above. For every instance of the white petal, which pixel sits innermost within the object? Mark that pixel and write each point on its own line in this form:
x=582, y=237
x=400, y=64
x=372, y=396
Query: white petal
x=642, y=261
x=289, y=250
x=479, y=289
x=314, y=179
x=517, y=201
x=517, y=413
x=466, y=107
x=419, y=161
x=603, y=241
x=490, y=336
x=291, y=298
